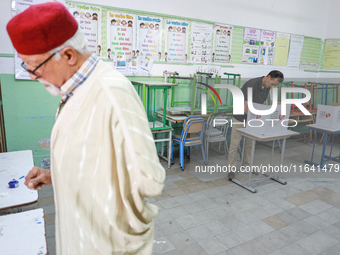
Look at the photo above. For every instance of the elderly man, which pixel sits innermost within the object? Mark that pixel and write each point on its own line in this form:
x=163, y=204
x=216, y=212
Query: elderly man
x=104, y=161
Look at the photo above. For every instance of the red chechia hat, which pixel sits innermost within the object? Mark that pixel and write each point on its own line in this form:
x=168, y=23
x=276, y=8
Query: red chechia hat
x=41, y=28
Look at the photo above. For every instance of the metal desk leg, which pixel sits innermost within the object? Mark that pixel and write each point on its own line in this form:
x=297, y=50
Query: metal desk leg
x=277, y=177
x=251, y=164
x=324, y=150
x=311, y=160
x=169, y=149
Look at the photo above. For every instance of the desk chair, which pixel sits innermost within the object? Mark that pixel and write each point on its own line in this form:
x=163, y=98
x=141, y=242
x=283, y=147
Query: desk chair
x=192, y=135
x=216, y=131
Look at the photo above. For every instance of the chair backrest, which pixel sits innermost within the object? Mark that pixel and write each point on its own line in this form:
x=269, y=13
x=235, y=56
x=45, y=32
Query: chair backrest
x=223, y=122
x=193, y=124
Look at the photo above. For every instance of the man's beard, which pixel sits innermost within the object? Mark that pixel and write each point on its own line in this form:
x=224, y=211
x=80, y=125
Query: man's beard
x=52, y=89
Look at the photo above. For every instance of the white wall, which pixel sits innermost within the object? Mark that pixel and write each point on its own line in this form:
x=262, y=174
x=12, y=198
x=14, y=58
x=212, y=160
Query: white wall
x=314, y=18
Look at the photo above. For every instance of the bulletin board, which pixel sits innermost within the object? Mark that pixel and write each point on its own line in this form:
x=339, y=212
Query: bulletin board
x=134, y=40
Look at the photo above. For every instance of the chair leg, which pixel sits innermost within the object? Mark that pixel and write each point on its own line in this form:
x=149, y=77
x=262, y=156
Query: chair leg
x=205, y=160
x=172, y=151
x=188, y=155
x=207, y=151
x=182, y=157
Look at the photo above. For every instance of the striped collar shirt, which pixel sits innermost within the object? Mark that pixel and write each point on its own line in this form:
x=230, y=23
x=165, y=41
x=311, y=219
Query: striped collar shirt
x=68, y=89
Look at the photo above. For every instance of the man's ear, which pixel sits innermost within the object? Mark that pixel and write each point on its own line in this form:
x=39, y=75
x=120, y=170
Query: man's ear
x=70, y=54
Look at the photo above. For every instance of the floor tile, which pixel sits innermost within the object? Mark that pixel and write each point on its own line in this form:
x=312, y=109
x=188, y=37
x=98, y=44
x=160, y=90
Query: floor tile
x=294, y=249
x=200, y=233
x=292, y=233
x=193, y=249
x=188, y=222
x=216, y=227
x=177, y=212
x=316, y=222
x=229, y=239
x=170, y=227
x=162, y=245
x=317, y=242
x=212, y=246
x=181, y=239
x=275, y=222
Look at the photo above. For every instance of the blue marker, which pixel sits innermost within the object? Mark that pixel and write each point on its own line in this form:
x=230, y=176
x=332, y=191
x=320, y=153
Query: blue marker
x=22, y=177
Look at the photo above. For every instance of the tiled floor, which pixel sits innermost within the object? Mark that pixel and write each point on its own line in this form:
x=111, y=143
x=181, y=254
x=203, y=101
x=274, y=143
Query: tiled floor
x=207, y=214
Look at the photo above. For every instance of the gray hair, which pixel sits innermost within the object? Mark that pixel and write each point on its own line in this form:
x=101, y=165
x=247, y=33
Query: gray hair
x=77, y=42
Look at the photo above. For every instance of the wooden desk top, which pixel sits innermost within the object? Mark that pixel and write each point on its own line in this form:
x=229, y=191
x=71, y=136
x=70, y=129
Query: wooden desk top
x=176, y=118
x=268, y=136
x=154, y=83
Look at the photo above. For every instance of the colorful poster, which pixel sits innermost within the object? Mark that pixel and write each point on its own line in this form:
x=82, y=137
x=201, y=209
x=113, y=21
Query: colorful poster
x=176, y=42
x=121, y=36
x=281, y=49
x=222, y=44
x=149, y=37
x=201, y=38
x=295, y=49
x=89, y=21
x=332, y=54
x=267, y=47
x=251, y=42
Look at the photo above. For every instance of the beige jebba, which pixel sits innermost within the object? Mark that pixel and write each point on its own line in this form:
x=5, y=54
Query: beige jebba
x=104, y=164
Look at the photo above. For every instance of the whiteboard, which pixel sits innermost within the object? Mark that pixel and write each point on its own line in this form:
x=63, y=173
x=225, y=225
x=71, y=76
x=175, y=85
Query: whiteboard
x=14, y=165
x=23, y=233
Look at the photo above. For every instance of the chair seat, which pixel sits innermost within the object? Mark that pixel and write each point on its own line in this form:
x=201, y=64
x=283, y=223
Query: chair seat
x=189, y=136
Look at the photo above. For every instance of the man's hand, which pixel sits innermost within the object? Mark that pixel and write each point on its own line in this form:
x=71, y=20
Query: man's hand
x=37, y=178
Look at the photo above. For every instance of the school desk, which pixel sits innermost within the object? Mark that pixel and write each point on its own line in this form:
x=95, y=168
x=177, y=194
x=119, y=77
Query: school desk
x=16, y=165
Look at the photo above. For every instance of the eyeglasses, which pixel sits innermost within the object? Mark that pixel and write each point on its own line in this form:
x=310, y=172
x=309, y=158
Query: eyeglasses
x=24, y=65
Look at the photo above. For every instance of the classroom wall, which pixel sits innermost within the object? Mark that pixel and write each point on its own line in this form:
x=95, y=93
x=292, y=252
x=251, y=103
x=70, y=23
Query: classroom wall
x=29, y=110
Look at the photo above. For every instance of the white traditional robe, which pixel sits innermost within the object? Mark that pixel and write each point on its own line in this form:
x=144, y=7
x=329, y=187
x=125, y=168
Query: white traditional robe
x=104, y=162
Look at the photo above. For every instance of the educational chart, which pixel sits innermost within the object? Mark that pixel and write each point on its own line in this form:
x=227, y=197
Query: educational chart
x=281, y=49
x=121, y=36
x=332, y=54
x=149, y=37
x=222, y=44
x=295, y=49
x=176, y=42
x=251, y=42
x=201, y=38
x=267, y=47
x=89, y=21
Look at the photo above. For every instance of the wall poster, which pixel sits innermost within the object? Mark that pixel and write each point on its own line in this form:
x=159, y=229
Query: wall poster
x=222, y=44
x=176, y=42
x=251, y=43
